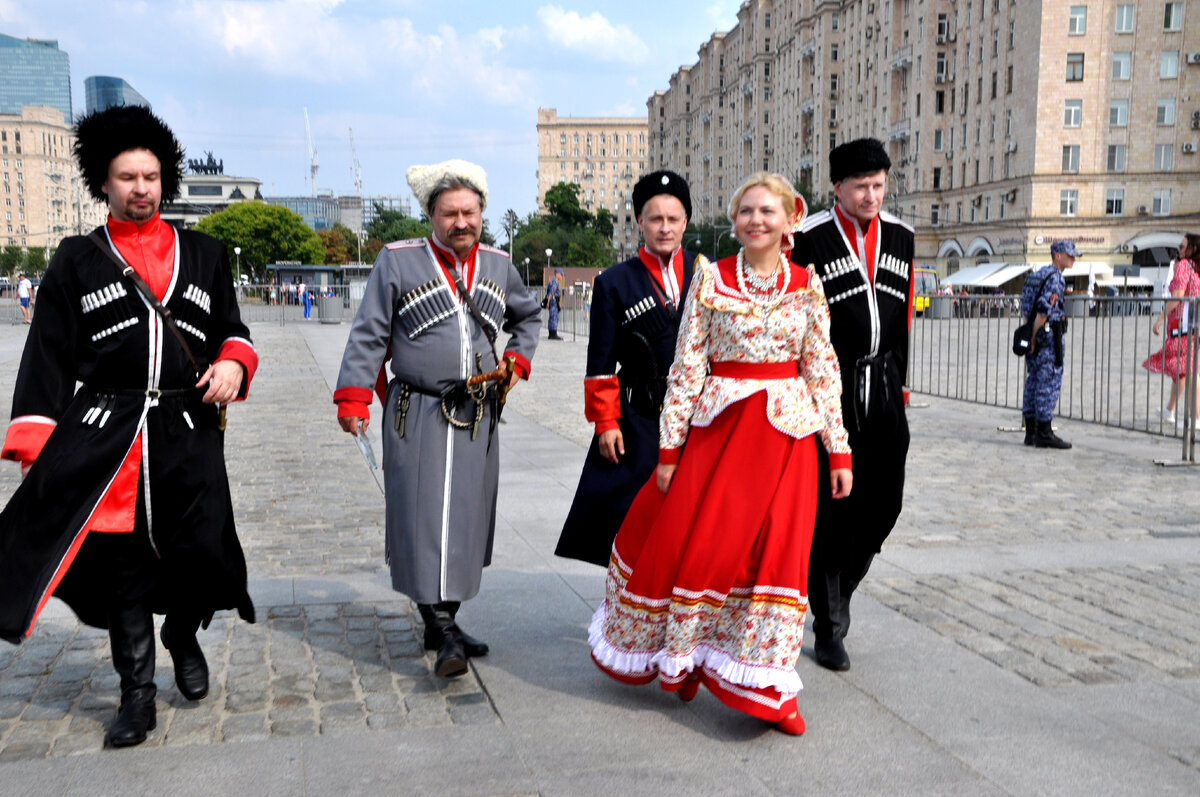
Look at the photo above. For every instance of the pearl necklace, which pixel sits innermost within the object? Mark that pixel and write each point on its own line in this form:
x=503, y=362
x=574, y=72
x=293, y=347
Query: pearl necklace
x=767, y=291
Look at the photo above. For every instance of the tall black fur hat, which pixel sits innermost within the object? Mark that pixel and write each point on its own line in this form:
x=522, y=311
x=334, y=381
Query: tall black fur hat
x=103, y=135
x=662, y=182
x=856, y=158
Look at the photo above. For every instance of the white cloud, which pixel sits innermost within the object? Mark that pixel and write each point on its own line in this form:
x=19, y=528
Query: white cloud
x=593, y=36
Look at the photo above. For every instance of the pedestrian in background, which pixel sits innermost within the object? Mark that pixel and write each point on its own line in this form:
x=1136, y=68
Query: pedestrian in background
x=553, y=304
x=1171, y=359
x=863, y=256
x=1042, y=300
x=25, y=295
x=708, y=577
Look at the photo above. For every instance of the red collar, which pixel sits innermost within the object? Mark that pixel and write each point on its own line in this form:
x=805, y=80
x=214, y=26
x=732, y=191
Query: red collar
x=864, y=243
x=654, y=264
x=450, y=263
x=148, y=247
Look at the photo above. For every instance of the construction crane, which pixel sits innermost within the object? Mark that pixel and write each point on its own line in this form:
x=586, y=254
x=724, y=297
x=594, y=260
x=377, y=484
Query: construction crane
x=356, y=169
x=312, y=156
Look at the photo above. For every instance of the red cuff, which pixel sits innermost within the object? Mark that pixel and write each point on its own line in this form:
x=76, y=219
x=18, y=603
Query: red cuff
x=840, y=461
x=241, y=351
x=522, y=366
x=607, y=426
x=669, y=456
x=26, y=436
x=353, y=409
x=601, y=398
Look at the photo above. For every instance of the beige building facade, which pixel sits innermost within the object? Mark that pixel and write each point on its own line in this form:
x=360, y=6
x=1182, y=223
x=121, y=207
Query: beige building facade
x=604, y=156
x=44, y=198
x=1010, y=123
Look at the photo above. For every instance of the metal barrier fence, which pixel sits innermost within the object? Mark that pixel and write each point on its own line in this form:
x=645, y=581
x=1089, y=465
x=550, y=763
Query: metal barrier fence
x=961, y=348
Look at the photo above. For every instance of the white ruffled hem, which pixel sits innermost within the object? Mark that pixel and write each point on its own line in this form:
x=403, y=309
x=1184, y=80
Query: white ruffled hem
x=739, y=673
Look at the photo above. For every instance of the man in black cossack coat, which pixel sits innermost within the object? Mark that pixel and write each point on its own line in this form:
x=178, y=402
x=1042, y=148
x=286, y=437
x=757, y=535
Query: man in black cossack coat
x=636, y=308
x=864, y=258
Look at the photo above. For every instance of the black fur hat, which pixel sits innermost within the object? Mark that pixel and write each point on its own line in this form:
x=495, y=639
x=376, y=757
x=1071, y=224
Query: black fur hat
x=662, y=182
x=103, y=135
x=856, y=158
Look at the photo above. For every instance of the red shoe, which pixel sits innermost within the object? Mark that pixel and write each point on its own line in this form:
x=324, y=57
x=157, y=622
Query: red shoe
x=793, y=725
x=690, y=688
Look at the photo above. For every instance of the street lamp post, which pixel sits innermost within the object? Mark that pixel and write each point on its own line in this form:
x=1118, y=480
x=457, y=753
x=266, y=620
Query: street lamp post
x=237, y=252
x=526, y=272
x=548, y=253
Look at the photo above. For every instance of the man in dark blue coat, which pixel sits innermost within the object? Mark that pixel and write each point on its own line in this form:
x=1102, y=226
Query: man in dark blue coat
x=635, y=318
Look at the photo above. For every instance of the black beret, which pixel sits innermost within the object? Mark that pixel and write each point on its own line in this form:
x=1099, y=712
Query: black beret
x=662, y=182
x=856, y=158
x=103, y=135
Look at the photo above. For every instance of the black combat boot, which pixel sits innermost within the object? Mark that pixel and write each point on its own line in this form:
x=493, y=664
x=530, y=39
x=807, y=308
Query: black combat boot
x=191, y=670
x=831, y=620
x=131, y=633
x=1030, y=429
x=1046, y=438
x=474, y=648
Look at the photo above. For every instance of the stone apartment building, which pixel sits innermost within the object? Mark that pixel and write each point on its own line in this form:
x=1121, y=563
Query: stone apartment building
x=44, y=198
x=1010, y=123
x=605, y=156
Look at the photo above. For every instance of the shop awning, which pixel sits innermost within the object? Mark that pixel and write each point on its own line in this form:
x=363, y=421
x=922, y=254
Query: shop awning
x=998, y=278
x=1081, y=268
x=1121, y=282
x=968, y=277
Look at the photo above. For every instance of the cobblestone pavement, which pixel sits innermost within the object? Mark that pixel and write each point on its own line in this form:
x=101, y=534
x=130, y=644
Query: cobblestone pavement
x=301, y=670
x=1054, y=617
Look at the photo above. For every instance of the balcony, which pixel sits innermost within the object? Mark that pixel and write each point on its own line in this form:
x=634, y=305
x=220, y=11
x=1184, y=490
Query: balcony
x=808, y=106
x=902, y=58
x=808, y=48
x=899, y=130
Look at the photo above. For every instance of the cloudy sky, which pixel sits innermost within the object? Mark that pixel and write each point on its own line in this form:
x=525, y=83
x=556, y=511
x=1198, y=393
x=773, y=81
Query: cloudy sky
x=417, y=80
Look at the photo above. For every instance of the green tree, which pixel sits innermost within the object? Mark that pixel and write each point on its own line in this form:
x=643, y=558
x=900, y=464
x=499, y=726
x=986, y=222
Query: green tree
x=12, y=260
x=562, y=202
x=713, y=238
x=340, y=244
x=266, y=234
x=36, y=259
x=603, y=223
x=816, y=201
x=392, y=225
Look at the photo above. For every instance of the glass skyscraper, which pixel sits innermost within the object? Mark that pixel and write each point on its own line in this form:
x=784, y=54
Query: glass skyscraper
x=101, y=92
x=35, y=72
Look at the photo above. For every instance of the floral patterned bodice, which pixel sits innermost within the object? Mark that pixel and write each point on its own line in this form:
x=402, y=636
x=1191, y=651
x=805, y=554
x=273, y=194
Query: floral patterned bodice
x=721, y=323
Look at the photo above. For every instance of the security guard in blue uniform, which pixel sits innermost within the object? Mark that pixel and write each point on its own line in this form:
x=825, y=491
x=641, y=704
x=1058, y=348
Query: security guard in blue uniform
x=1042, y=300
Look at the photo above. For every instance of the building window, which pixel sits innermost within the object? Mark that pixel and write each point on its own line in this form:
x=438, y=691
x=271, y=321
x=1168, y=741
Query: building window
x=939, y=101
x=836, y=21
x=1173, y=17
x=1121, y=65
x=1168, y=65
x=1073, y=113
x=1164, y=157
x=1077, y=24
x=1068, y=202
x=1118, y=113
x=1165, y=115
x=1008, y=80
x=1012, y=35
x=995, y=84
x=1074, y=67
x=1070, y=159
x=937, y=140
x=833, y=52
x=1162, y=202
x=937, y=178
x=935, y=214
x=1114, y=202
x=1116, y=158
x=1124, y=18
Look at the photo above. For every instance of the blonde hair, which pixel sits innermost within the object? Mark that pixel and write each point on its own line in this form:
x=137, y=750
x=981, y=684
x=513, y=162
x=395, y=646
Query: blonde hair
x=777, y=184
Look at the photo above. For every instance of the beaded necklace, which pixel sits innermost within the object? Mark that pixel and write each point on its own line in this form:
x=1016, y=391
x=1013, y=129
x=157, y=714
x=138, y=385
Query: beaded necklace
x=766, y=292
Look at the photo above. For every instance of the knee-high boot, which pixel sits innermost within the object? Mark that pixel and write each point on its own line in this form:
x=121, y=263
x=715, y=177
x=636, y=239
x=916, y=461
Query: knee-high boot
x=451, y=659
x=474, y=648
x=131, y=634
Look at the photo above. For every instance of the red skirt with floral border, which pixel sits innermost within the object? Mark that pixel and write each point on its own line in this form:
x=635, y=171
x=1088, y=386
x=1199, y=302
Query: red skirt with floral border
x=711, y=579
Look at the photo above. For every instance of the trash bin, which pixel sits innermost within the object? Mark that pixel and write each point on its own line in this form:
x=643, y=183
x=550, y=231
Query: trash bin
x=940, y=306
x=329, y=309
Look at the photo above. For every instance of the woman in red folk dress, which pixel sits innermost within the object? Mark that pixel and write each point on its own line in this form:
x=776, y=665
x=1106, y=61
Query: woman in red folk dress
x=708, y=578
x=1171, y=359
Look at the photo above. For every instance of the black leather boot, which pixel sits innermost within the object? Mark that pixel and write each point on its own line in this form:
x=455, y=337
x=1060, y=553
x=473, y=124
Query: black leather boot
x=451, y=659
x=1030, y=429
x=830, y=620
x=191, y=670
x=474, y=648
x=1046, y=438
x=131, y=634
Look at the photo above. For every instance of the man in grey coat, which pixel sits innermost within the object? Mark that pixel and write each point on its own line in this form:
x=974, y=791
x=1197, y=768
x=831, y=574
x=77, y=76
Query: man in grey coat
x=435, y=307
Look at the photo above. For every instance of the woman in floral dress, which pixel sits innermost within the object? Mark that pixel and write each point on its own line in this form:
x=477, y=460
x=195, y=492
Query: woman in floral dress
x=707, y=583
x=1171, y=359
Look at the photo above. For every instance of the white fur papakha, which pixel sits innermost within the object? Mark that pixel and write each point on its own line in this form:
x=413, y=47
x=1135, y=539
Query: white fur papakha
x=423, y=179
